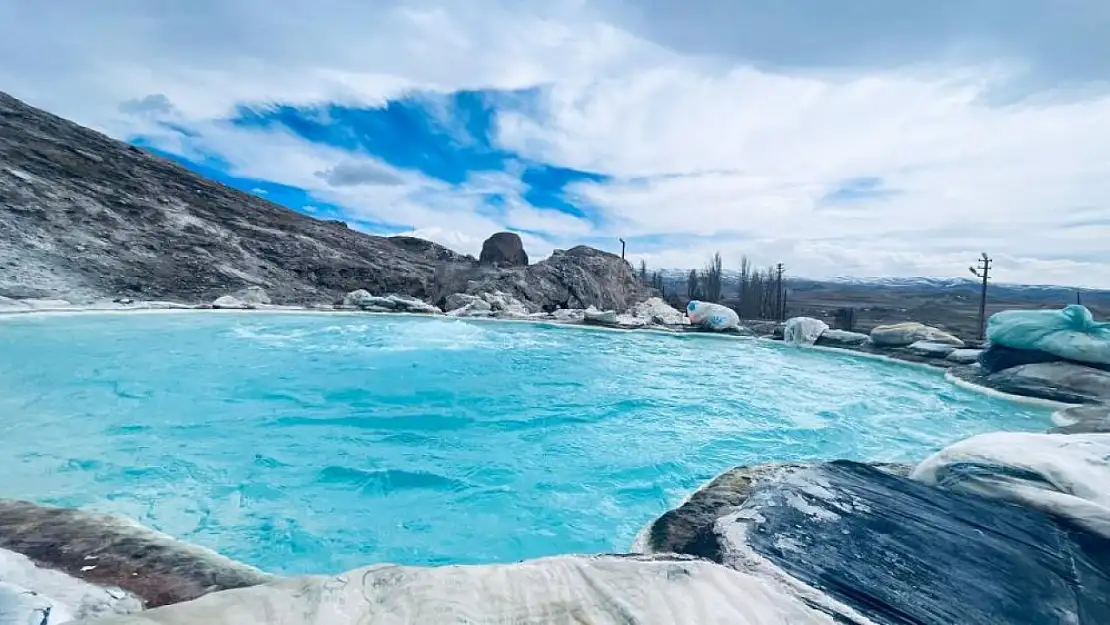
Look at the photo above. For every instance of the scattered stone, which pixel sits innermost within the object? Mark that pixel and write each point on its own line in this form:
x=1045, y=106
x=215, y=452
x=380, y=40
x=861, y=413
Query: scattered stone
x=504, y=249
x=905, y=334
x=931, y=349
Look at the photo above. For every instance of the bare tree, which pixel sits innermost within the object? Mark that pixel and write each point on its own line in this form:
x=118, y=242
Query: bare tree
x=711, y=279
x=643, y=271
x=692, y=290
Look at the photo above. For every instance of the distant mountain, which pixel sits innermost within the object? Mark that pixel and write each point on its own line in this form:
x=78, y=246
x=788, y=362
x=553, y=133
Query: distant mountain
x=675, y=282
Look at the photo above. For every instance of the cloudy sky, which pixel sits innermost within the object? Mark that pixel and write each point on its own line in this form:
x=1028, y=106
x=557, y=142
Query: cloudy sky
x=846, y=137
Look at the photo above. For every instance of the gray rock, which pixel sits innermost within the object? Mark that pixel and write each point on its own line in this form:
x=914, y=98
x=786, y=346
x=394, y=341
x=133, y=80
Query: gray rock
x=600, y=317
x=841, y=338
x=931, y=349
x=1057, y=381
x=230, y=302
x=152, y=566
x=963, y=356
x=577, y=278
x=689, y=529
x=656, y=311
x=904, y=334
x=504, y=249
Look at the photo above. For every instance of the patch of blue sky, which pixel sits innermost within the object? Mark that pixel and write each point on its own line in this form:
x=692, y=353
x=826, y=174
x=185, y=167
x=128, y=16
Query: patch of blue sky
x=294, y=198
x=855, y=190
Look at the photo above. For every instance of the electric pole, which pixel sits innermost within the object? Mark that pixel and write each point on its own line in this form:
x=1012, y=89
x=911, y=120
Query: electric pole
x=622, y=248
x=983, y=271
x=780, y=308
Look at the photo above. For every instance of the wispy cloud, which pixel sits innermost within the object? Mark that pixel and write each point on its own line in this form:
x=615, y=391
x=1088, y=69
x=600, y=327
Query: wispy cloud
x=863, y=138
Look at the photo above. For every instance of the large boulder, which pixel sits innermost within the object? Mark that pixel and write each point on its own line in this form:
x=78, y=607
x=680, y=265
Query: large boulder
x=1061, y=475
x=909, y=332
x=895, y=550
x=504, y=249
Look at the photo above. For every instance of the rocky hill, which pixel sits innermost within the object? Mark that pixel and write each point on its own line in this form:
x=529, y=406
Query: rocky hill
x=86, y=217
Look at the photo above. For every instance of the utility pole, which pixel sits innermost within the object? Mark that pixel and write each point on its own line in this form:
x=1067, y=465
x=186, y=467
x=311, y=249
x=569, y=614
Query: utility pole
x=780, y=308
x=622, y=248
x=982, y=270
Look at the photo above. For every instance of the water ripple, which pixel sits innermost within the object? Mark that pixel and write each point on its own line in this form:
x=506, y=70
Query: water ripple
x=321, y=443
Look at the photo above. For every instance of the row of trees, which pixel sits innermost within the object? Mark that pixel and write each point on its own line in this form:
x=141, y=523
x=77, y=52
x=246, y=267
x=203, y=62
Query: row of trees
x=760, y=292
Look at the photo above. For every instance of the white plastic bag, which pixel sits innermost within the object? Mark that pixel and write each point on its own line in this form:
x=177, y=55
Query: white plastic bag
x=803, y=330
x=712, y=316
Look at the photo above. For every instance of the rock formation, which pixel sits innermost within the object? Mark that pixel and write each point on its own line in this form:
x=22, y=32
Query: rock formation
x=576, y=278
x=87, y=218
x=504, y=249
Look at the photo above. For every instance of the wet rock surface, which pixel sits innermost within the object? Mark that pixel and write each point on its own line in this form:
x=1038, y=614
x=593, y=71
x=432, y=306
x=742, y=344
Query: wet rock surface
x=899, y=551
x=1055, y=381
x=112, y=552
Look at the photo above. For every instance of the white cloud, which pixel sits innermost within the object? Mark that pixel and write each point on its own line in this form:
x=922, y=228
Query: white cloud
x=717, y=151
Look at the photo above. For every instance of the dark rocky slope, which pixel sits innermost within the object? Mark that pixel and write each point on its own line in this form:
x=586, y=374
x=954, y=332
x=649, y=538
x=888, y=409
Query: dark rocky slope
x=83, y=216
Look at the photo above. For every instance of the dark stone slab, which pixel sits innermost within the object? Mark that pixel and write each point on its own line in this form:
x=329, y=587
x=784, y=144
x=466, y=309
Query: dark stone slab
x=109, y=551
x=904, y=553
x=688, y=529
x=1057, y=381
x=998, y=357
